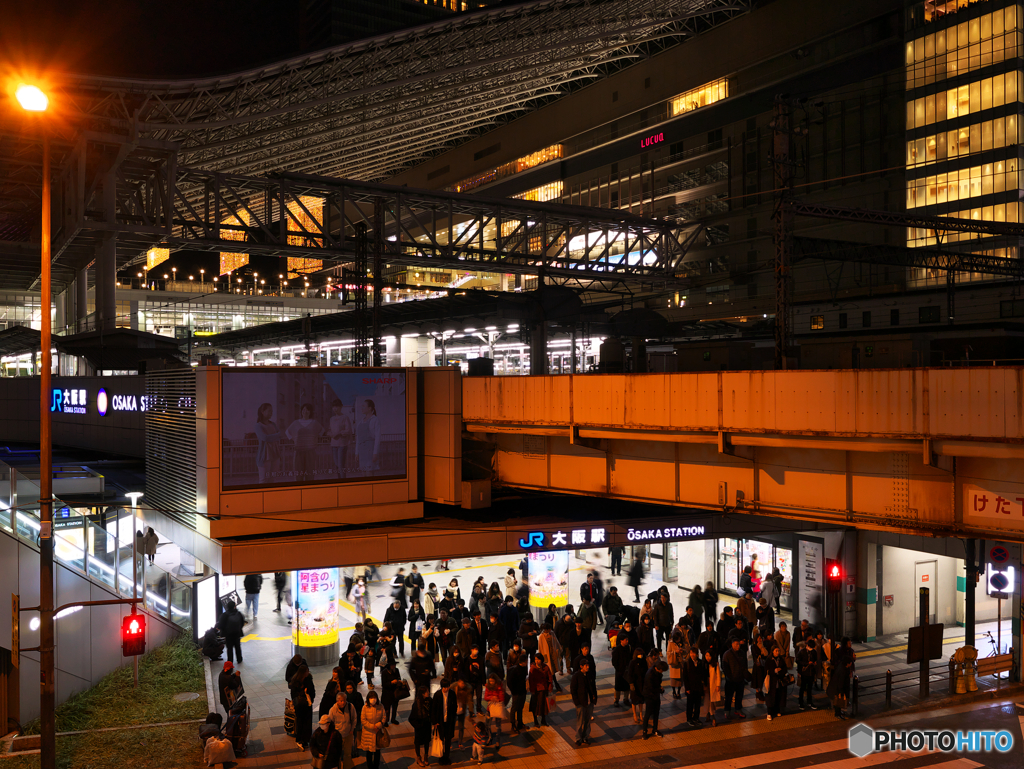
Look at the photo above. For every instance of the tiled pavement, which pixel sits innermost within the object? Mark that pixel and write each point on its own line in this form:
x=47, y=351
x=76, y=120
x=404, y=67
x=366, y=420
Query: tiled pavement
x=267, y=650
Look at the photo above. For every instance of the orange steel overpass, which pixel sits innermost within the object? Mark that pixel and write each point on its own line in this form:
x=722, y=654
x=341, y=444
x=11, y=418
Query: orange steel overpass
x=927, y=451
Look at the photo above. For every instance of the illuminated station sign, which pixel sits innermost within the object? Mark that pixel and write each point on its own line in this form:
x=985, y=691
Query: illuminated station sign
x=76, y=401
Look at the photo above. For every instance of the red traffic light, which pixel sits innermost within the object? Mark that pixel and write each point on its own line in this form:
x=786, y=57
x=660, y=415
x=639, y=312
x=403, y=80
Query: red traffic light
x=833, y=576
x=133, y=635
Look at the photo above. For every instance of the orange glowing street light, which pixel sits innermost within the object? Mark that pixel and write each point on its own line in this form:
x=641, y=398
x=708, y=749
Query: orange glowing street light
x=31, y=98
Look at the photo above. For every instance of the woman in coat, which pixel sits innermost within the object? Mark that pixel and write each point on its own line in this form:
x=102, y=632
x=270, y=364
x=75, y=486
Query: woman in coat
x=303, y=696
x=540, y=688
x=152, y=540
x=635, y=674
x=775, y=693
x=621, y=657
x=428, y=639
x=419, y=717
x=417, y=620
x=840, y=668
x=373, y=722
x=646, y=633
x=547, y=644
x=510, y=583
x=675, y=658
x=389, y=680
x=330, y=693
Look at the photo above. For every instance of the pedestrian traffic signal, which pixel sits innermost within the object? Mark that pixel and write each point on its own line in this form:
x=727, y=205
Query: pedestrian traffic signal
x=833, y=576
x=133, y=635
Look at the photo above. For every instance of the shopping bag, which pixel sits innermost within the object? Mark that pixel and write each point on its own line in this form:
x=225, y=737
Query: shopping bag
x=497, y=710
x=436, y=743
x=551, y=703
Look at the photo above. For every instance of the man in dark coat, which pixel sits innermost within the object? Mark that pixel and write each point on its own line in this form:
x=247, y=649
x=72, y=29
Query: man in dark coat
x=443, y=709
x=516, y=680
x=664, y=618
x=734, y=668
x=396, y=615
x=421, y=669
x=616, y=554
x=583, y=688
x=636, y=578
x=652, y=696
x=694, y=673
x=231, y=625
x=280, y=580
x=839, y=679
x=509, y=618
x=613, y=606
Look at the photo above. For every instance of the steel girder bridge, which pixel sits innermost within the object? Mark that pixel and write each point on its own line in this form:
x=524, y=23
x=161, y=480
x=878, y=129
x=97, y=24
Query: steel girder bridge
x=146, y=199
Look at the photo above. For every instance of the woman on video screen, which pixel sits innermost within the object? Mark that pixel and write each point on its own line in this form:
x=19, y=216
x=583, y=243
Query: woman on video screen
x=304, y=432
x=368, y=438
x=268, y=455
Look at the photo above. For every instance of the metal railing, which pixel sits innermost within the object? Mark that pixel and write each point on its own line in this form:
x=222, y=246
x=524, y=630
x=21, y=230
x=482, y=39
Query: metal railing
x=95, y=552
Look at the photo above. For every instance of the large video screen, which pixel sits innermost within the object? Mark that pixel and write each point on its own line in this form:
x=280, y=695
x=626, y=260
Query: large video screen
x=295, y=427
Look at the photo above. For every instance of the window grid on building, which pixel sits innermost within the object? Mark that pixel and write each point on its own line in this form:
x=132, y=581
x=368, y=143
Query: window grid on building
x=968, y=46
x=964, y=100
x=945, y=145
x=951, y=186
x=534, y=159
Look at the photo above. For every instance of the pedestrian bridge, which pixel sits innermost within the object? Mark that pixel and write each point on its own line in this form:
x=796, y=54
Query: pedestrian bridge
x=924, y=451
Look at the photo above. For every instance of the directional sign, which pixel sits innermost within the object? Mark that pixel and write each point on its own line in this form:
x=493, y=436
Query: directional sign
x=998, y=554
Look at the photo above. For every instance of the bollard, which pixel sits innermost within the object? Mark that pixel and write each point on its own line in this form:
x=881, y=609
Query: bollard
x=952, y=676
x=855, y=699
x=888, y=689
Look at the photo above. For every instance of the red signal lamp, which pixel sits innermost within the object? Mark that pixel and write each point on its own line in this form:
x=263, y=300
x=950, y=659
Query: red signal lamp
x=833, y=576
x=133, y=635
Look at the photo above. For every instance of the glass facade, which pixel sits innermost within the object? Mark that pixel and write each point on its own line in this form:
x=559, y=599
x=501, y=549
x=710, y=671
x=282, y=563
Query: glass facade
x=735, y=554
x=982, y=53
x=965, y=47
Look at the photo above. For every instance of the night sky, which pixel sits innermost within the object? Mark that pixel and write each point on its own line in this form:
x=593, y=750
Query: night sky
x=147, y=38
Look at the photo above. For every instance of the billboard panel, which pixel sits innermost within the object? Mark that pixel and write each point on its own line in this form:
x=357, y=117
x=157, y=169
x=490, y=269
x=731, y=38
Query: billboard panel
x=296, y=427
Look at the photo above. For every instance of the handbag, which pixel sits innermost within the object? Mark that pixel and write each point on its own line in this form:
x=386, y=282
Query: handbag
x=436, y=743
x=319, y=762
x=496, y=710
x=383, y=739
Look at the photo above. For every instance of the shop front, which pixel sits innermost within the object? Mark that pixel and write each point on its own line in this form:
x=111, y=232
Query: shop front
x=764, y=555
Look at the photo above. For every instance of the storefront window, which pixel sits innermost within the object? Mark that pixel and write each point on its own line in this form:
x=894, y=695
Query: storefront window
x=763, y=551
x=728, y=564
x=784, y=563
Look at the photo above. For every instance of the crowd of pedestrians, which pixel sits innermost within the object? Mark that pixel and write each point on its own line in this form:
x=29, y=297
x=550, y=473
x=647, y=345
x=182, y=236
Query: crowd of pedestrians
x=476, y=666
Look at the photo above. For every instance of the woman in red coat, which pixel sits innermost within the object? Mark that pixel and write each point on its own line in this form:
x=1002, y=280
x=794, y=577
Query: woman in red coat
x=540, y=687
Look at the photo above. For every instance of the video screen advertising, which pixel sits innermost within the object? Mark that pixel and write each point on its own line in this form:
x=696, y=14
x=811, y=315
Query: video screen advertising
x=283, y=427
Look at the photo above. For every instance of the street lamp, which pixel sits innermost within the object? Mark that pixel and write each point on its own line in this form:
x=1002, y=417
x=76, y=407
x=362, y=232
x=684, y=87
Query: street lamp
x=32, y=99
x=202, y=276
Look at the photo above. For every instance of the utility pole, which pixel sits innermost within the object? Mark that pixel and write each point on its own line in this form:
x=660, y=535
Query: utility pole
x=781, y=146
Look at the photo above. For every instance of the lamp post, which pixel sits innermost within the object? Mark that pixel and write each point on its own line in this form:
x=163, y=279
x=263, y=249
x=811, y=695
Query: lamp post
x=32, y=99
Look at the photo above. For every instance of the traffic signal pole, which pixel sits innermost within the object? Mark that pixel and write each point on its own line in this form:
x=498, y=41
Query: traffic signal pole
x=970, y=545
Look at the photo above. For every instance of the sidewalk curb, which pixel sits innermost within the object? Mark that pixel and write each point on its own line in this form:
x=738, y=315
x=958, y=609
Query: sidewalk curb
x=1011, y=690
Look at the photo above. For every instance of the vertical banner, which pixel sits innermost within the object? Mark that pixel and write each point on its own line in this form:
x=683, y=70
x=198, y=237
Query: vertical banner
x=549, y=579
x=315, y=593
x=810, y=571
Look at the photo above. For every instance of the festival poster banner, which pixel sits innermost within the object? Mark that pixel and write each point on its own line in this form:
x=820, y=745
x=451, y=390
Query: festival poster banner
x=549, y=578
x=315, y=593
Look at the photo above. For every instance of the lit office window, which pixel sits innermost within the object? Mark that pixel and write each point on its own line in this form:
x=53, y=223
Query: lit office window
x=230, y=261
x=155, y=256
x=945, y=145
x=933, y=10
x=964, y=100
x=1001, y=212
x=968, y=46
x=543, y=193
x=951, y=186
x=817, y=322
x=534, y=159
x=696, y=98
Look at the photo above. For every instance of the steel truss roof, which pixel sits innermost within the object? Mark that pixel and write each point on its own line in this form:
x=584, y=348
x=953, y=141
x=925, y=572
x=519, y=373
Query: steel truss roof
x=369, y=109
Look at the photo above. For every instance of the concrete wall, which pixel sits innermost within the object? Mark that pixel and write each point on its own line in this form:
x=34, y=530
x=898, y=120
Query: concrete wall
x=118, y=432
x=88, y=642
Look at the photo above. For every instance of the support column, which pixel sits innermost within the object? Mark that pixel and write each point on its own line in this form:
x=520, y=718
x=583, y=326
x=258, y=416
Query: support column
x=970, y=546
x=106, y=304
x=539, y=348
x=572, y=359
x=81, y=298
x=106, y=261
